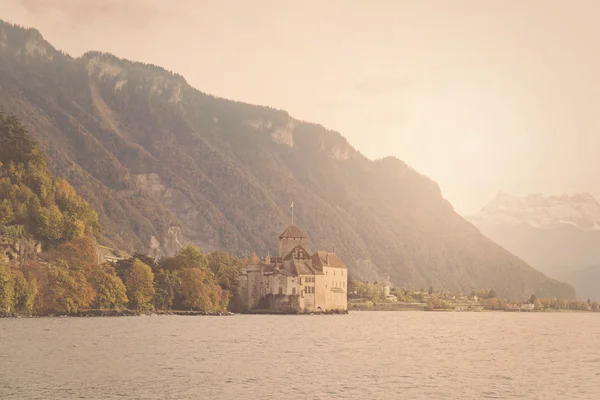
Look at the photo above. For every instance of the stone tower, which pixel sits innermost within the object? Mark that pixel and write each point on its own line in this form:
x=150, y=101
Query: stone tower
x=290, y=238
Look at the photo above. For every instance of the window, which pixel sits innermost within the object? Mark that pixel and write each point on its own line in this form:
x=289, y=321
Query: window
x=342, y=273
x=280, y=290
x=293, y=291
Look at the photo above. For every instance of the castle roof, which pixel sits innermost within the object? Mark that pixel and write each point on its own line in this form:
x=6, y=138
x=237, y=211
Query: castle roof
x=325, y=259
x=298, y=252
x=302, y=268
x=292, y=231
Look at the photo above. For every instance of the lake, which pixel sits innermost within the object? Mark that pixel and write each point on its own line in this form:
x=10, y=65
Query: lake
x=363, y=355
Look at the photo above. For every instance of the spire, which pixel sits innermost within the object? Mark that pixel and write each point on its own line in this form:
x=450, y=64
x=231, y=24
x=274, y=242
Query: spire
x=254, y=260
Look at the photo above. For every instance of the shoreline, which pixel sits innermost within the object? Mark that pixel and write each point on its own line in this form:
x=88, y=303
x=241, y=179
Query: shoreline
x=118, y=313
x=140, y=313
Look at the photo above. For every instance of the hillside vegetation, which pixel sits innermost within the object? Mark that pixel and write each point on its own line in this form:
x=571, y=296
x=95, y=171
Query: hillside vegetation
x=32, y=202
x=165, y=165
x=67, y=277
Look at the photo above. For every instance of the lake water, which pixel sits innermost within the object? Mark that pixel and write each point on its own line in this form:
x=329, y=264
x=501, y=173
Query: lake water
x=363, y=355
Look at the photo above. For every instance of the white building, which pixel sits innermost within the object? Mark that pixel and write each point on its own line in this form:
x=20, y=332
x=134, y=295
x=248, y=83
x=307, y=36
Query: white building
x=295, y=281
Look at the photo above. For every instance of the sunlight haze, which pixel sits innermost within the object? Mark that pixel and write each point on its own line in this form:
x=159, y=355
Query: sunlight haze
x=463, y=91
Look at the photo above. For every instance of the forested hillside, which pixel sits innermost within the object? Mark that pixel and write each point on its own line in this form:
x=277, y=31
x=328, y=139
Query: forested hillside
x=67, y=276
x=164, y=164
x=33, y=203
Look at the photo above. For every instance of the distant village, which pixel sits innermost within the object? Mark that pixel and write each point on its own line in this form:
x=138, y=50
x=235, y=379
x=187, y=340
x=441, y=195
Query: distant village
x=375, y=296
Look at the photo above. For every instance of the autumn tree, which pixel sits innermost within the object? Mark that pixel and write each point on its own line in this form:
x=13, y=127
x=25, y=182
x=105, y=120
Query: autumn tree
x=81, y=251
x=140, y=286
x=110, y=290
x=68, y=289
x=198, y=290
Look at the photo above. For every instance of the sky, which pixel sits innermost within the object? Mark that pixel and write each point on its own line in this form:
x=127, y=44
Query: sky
x=482, y=96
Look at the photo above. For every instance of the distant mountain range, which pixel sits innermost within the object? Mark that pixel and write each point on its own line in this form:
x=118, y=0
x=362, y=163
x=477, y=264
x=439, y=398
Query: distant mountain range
x=559, y=235
x=165, y=164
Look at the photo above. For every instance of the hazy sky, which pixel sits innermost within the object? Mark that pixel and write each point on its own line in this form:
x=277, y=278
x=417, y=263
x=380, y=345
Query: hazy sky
x=481, y=96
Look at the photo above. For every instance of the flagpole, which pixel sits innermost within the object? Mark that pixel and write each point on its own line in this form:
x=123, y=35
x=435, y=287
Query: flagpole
x=292, y=213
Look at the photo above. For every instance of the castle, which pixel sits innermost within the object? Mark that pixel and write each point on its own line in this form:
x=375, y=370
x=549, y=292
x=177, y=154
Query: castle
x=295, y=281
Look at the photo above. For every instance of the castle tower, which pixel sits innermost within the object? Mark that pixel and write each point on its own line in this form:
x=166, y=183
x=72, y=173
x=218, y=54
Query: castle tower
x=290, y=238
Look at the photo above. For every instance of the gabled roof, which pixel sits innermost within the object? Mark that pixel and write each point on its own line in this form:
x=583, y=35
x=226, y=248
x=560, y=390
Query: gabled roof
x=298, y=252
x=325, y=259
x=292, y=231
x=302, y=268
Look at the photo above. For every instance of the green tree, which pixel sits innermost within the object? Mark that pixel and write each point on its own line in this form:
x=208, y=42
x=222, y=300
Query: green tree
x=110, y=290
x=166, y=286
x=226, y=269
x=430, y=305
x=140, y=286
x=7, y=287
x=532, y=299
x=188, y=257
x=123, y=266
x=6, y=212
x=26, y=292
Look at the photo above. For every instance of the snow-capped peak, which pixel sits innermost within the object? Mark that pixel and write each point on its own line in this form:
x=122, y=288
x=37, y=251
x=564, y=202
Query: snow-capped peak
x=580, y=210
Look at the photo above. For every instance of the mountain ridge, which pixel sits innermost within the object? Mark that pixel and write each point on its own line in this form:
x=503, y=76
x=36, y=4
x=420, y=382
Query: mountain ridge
x=536, y=210
x=165, y=165
x=559, y=235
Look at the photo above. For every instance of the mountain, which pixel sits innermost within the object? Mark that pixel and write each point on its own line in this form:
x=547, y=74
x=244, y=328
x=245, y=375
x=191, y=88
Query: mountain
x=559, y=235
x=165, y=164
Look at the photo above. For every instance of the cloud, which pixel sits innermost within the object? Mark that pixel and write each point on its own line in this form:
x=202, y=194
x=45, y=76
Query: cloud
x=127, y=13
x=379, y=85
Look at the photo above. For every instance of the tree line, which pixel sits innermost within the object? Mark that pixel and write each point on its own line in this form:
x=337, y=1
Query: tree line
x=69, y=279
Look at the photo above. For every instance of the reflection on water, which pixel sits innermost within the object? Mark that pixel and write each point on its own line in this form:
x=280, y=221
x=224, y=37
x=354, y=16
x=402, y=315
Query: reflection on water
x=363, y=355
